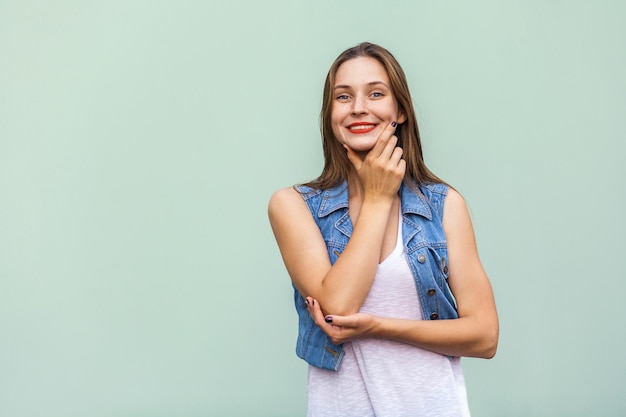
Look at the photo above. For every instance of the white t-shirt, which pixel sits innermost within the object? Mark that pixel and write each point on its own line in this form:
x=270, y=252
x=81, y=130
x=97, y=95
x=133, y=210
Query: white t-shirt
x=385, y=378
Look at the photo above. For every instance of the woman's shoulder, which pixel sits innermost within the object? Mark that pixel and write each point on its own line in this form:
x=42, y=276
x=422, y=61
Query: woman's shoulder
x=290, y=213
x=291, y=198
x=284, y=196
x=453, y=195
x=455, y=209
x=284, y=204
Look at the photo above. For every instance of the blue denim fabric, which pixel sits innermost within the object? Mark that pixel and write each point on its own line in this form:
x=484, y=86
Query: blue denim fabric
x=426, y=249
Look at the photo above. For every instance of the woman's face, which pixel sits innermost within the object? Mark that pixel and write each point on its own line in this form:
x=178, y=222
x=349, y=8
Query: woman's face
x=363, y=103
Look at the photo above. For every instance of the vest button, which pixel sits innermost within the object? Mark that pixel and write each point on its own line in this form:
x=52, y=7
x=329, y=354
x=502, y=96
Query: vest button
x=445, y=269
x=434, y=316
x=431, y=291
x=421, y=258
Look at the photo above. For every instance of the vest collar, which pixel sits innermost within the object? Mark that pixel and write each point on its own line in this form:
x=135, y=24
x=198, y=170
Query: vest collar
x=336, y=198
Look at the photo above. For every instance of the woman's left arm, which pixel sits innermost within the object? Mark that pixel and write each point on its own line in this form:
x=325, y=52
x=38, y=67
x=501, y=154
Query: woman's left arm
x=474, y=333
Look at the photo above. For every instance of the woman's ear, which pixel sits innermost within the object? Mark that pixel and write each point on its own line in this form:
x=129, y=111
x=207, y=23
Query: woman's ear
x=401, y=117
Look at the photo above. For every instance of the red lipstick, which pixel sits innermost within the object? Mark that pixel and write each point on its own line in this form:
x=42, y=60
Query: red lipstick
x=361, y=127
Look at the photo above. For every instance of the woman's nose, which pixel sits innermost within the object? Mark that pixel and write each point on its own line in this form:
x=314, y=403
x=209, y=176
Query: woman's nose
x=359, y=105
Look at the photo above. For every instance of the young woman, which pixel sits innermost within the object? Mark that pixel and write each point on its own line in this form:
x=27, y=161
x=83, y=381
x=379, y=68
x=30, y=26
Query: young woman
x=389, y=288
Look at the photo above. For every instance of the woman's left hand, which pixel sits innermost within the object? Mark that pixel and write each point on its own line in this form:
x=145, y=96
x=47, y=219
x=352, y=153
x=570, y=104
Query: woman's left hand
x=341, y=329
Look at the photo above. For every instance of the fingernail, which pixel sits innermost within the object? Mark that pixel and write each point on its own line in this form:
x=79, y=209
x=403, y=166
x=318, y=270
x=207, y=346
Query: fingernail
x=328, y=319
x=313, y=302
x=306, y=302
x=394, y=124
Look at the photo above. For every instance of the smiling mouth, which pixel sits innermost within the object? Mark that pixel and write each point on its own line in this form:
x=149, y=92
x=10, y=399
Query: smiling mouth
x=361, y=127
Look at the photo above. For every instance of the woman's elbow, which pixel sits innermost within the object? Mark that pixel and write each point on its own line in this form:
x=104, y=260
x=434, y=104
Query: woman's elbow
x=489, y=343
x=340, y=309
x=338, y=306
x=490, y=352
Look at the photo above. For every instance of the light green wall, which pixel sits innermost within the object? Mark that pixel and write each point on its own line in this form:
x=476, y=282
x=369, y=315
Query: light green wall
x=141, y=140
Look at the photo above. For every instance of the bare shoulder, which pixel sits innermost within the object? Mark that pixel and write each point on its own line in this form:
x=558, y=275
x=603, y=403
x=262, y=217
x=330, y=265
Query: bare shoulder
x=454, y=199
x=284, y=201
x=454, y=205
x=288, y=211
x=456, y=218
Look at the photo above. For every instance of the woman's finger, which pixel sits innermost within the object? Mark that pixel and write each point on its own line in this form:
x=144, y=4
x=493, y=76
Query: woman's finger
x=341, y=321
x=383, y=139
x=389, y=148
x=396, y=155
x=315, y=311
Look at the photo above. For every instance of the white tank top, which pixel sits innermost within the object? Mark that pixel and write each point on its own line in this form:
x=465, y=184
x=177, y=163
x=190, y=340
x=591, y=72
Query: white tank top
x=387, y=378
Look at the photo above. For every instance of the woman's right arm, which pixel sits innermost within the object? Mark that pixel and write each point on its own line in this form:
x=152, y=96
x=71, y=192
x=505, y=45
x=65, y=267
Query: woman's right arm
x=340, y=288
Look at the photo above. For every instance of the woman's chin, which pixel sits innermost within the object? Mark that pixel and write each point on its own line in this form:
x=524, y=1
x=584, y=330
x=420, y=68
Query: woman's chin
x=361, y=145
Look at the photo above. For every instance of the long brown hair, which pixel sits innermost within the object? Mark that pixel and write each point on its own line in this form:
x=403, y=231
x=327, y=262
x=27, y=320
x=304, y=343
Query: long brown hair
x=336, y=163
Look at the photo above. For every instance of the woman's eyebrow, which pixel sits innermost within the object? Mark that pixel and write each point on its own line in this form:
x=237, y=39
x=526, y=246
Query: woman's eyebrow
x=370, y=84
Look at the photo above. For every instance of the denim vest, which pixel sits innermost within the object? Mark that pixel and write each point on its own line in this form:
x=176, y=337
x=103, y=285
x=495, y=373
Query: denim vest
x=426, y=251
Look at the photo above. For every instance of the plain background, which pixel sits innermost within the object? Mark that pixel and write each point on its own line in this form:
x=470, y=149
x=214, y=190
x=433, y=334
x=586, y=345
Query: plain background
x=141, y=140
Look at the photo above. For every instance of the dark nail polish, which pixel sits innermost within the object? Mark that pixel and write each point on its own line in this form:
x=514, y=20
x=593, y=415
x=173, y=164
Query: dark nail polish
x=306, y=303
x=394, y=124
x=328, y=319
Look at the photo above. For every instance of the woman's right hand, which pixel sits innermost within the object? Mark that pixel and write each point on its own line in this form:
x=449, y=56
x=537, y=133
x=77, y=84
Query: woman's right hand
x=341, y=329
x=382, y=169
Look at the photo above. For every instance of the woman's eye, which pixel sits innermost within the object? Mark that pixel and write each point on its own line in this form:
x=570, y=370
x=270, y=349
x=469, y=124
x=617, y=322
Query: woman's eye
x=377, y=94
x=342, y=97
